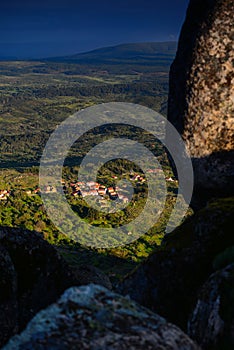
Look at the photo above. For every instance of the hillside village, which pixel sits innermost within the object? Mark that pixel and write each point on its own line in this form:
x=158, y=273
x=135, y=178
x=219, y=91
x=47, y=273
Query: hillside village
x=83, y=189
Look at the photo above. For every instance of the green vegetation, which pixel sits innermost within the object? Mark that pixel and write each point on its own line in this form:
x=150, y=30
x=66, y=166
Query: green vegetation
x=24, y=208
x=37, y=96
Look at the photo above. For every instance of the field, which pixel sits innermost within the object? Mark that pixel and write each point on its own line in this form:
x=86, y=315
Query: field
x=35, y=97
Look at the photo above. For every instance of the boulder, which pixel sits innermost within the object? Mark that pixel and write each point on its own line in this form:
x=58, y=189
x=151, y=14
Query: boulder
x=211, y=323
x=169, y=280
x=33, y=275
x=92, y=317
x=201, y=96
x=8, y=297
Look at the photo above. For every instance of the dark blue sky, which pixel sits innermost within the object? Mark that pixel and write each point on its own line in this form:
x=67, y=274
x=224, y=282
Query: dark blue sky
x=32, y=28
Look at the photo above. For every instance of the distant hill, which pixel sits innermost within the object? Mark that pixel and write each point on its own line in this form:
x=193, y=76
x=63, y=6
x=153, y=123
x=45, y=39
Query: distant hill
x=137, y=53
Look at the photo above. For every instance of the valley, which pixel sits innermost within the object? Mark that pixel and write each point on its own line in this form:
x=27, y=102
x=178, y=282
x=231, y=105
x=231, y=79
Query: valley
x=35, y=96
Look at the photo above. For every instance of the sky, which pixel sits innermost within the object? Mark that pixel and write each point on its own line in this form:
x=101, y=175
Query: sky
x=47, y=28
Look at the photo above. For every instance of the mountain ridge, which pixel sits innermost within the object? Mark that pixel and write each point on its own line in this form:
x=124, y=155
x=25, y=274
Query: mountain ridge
x=141, y=51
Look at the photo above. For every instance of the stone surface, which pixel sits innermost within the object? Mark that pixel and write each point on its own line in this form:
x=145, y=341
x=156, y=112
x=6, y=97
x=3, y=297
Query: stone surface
x=33, y=275
x=212, y=320
x=201, y=96
x=92, y=317
x=169, y=280
x=8, y=297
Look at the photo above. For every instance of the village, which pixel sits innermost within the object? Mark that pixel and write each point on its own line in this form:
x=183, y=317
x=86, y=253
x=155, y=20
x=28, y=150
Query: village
x=95, y=189
x=81, y=189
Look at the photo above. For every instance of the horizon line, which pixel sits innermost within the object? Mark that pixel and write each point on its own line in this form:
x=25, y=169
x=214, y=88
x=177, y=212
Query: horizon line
x=28, y=58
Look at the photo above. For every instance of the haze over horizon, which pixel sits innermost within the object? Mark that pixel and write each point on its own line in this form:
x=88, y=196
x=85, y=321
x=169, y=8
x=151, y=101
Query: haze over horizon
x=56, y=28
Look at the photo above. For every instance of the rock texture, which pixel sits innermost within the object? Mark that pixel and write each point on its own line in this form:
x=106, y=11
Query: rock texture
x=33, y=275
x=91, y=317
x=201, y=96
x=8, y=297
x=212, y=321
x=169, y=280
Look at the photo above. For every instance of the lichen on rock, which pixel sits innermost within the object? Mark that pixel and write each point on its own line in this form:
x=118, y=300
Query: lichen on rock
x=92, y=317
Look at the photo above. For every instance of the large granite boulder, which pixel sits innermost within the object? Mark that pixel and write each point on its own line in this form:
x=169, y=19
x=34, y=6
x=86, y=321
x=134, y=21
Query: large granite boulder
x=169, y=280
x=33, y=275
x=92, y=317
x=201, y=96
x=212, y=320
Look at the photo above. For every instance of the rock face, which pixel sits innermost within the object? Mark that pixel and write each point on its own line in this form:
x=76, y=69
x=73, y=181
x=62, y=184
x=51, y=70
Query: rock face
x=169, y=280
x=8, y=297
x=33, y=275
x=91, y=317
x=212, y=321
x=201, y=96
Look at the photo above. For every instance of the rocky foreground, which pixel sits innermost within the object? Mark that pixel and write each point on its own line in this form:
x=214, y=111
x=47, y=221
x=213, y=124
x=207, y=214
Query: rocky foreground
x=92, y=317
x=168, y=282
x=189, y=282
